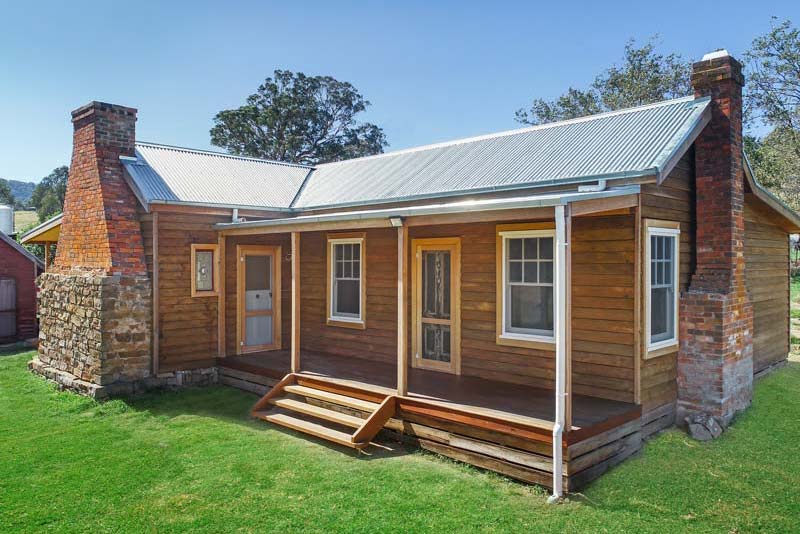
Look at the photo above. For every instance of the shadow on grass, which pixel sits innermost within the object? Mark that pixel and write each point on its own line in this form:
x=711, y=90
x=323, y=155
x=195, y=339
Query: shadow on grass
x=233, y=406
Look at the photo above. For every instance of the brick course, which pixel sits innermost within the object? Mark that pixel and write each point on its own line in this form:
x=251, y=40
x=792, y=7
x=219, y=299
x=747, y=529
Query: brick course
x=715, y=362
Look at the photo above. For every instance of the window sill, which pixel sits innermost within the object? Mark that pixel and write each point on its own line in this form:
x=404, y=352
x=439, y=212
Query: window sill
x=355, y=324
x=526, y=342
x=205, y=294
x=660, y=350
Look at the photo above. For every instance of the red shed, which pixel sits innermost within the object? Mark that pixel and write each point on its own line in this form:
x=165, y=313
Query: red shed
x=18, y=271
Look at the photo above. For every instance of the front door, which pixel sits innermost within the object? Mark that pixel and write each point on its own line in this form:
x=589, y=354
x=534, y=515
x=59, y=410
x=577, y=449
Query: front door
x=436, y=303
x=258, y=307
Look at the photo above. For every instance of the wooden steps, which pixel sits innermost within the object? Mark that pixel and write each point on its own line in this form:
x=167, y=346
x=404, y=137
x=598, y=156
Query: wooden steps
x=323, y=413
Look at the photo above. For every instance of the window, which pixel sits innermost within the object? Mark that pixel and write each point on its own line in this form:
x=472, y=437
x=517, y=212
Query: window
x=204, y=270
x=662, y=286
x=346, y=295
x=525, y=298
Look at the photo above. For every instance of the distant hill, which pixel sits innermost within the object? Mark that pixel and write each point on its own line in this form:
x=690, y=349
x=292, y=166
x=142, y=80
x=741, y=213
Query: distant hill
x=22, y=191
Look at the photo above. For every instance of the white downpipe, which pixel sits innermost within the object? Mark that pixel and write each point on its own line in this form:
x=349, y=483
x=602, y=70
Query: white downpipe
x=561, y=353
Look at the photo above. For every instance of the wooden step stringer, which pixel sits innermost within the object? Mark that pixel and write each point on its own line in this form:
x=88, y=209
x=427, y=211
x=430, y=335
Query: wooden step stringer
x=365, y=429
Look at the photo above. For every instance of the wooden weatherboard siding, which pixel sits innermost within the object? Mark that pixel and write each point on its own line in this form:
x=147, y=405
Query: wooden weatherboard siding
x=767, y=276
x=673, y=200
x=378, y=339
x=187, y=325
x=603, y=264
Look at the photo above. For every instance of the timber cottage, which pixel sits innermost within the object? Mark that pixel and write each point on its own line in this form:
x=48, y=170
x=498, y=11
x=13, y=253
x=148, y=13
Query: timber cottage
x=534, y=302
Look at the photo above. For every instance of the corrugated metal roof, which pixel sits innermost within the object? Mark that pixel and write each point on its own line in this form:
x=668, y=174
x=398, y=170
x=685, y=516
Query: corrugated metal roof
x=632, y=142
x=171, y=174
x=629, y=142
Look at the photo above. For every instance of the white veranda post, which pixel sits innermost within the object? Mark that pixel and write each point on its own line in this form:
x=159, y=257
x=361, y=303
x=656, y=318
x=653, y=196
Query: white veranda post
x=560, y=298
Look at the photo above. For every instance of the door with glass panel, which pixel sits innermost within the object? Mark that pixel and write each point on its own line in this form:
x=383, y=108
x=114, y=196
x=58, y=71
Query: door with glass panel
x=258, y=309
x=436, y=304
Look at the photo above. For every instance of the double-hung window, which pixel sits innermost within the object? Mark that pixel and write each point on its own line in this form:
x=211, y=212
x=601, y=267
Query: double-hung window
x=662, y=274
x=346, y=293
x=525, y=298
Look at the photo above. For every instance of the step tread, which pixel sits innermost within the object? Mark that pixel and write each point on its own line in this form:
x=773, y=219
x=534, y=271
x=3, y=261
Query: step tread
x=308, y=427
x=334, y=398
x=318, y=411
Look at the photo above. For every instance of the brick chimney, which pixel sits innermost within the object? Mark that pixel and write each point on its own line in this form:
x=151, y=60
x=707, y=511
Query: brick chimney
x=715, y=362
x=95, y=304
x=100, y=230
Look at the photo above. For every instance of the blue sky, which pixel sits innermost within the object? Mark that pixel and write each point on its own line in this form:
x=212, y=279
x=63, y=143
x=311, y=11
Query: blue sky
x=433, y=70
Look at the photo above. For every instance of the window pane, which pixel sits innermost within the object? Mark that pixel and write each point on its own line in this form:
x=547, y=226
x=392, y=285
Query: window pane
x=436, y=342
x=531, y=276
x=530, y=249
x=204, y=270
x=546, y=272
x=346, y=298
x=662, y=314
x=356, y=269
x=356, y=251
x=515, y=271
x=515, y=249
x=531, y=309
x=339, y=269
x=339, y=251
x=546, y=248
x=436, y=284
x=257, y=272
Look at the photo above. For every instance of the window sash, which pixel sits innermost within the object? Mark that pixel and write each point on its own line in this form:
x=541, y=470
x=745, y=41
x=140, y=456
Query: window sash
x=662, y=275
x=346, y=257
x=529, y=273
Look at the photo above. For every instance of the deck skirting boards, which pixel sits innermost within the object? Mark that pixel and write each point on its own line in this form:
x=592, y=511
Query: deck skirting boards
x=521, y=459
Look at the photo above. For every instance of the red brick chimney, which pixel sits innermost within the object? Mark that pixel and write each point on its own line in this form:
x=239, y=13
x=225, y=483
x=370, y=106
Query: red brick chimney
x=100, y=230
x=715, y=362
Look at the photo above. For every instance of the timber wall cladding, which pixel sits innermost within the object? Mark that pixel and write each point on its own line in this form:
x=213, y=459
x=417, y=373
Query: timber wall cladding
x=767, y=277
x=602, y=291
x=673, y=200
x=188, y=326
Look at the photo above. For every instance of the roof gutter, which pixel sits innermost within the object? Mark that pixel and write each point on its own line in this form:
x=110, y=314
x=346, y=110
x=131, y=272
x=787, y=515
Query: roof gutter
x=537, y=201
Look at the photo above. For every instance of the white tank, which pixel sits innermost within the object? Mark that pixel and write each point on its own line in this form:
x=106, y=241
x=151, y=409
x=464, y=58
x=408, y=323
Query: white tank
x=6, y=219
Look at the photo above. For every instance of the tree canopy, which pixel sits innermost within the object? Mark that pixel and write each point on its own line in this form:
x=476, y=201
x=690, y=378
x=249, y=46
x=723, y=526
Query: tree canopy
x=772, y=100
x=299, y=119
x=48, y=195
x=6, y=197
x=644, y=77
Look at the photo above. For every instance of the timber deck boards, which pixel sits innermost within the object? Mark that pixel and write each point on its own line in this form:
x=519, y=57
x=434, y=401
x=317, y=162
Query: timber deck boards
x=514, y=399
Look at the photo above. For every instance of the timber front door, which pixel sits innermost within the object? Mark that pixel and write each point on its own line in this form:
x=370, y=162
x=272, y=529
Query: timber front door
x=436, y=287
x=258, y=298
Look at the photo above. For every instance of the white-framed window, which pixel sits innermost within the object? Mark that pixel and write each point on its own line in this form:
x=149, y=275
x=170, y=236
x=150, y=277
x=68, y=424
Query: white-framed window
x=346, y=279
x=662, y=273
x=527, y=298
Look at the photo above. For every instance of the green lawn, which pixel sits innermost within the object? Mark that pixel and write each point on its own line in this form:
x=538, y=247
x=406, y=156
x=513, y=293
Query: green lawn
x=193, y=460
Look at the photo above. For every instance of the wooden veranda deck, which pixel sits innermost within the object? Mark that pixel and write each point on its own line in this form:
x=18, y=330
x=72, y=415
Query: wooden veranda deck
x=512, y=401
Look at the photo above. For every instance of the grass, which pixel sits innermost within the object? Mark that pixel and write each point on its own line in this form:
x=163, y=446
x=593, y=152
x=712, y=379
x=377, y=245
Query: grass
x=193, y=460
x=24, y=220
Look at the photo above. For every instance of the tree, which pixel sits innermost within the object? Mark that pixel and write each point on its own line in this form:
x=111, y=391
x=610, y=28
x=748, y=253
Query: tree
x=299, y=119
x=644, y=77
x=48, y=195
x=772, y=99
x=6, y=198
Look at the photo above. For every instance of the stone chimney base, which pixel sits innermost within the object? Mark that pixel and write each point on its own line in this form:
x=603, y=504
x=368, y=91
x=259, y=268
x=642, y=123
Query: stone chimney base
x=95, y=328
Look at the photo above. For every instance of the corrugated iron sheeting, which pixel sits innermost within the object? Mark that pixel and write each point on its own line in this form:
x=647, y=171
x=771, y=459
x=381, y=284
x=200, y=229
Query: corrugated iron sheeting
x=626, y=142
x=182, y=175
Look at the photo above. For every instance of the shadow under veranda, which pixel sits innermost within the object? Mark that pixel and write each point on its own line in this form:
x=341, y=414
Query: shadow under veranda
x=233, y=406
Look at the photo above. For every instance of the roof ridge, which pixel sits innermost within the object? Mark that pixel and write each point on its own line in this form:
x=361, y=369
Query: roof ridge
x=515, y=131
x=221, y=154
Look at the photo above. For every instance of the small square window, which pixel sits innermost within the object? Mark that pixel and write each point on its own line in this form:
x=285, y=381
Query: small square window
x=204, y=270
